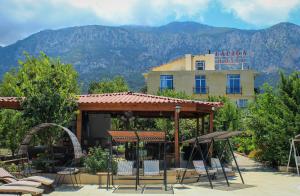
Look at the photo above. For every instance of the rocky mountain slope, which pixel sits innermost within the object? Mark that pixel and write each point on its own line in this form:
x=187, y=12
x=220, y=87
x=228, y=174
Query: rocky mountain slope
x=102, y=51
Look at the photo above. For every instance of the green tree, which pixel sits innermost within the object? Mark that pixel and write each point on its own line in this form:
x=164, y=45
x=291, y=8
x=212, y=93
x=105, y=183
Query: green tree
x=50, y=89
x=274, y=119
x=12, y=129
x=228, y=117
x=118, y=84
x=173, y=94
x=47, y=89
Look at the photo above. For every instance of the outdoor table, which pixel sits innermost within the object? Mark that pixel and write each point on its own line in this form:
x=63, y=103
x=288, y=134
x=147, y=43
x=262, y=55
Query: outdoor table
x=70, y=172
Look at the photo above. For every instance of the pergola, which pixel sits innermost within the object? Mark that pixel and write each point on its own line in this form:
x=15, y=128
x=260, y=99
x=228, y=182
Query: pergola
x=139, y=105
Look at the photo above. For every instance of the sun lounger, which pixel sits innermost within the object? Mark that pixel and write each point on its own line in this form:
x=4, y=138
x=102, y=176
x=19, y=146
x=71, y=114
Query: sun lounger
x=13, y=182
x=8, y=177
x=4, y=189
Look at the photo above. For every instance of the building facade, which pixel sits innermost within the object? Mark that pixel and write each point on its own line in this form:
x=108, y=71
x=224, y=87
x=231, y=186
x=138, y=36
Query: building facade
x=202, y=76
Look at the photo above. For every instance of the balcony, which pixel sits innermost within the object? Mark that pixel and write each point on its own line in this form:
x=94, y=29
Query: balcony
x=201, y=90
x=231, y=90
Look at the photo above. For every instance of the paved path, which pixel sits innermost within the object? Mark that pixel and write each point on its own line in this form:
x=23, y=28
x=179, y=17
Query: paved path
x=259, y=182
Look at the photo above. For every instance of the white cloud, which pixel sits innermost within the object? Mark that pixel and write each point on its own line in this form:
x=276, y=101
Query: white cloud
x=108, y=11
x=20, y=18
x=141, y=11
x=261, y=12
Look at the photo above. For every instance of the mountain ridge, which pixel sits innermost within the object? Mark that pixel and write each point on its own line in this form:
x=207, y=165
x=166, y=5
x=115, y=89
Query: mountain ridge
x=99, y=51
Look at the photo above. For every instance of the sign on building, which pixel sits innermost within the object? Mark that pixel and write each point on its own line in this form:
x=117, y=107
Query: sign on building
x=231, y=59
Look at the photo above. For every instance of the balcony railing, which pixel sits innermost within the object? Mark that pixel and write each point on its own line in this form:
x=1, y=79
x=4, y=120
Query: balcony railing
x=230, y=90
x=201, y=90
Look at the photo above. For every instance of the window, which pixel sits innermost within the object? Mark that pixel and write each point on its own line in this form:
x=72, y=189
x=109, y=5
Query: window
x=233, y=84
x=200, y=85
x=242, y=103
x=166, y=82
x=200, y=65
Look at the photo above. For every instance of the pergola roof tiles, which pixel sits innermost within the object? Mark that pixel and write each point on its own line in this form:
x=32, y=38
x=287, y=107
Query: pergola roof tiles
x=134, y=136
x=138, y=102
x=129, y=101
x=130, y=97
x=10, y=102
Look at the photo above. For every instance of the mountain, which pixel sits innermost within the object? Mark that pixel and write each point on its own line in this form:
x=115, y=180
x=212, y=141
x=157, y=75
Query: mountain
x=104, y=51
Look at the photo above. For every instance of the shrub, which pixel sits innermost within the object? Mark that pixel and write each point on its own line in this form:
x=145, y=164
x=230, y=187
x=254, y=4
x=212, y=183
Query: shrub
x=97, y=160
x=274, y=119
x=41, y=162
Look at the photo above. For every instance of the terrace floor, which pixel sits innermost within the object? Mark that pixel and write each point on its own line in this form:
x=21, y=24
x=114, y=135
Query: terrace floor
x=259, y=181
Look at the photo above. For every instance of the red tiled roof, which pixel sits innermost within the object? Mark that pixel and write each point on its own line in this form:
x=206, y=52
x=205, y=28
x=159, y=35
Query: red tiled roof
x=133, y=136
x=9, y=99
x=9, y=102
x=130, y=97
x=127, y=101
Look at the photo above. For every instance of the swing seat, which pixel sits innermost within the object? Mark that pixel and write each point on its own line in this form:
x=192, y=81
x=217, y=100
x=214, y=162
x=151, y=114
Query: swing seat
x=200, y=168
x=216, y=164
x=151, y=168
x=298, y=160
x=125, y=168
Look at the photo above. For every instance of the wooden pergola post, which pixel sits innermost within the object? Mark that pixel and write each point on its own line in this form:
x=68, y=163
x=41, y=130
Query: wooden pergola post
x=197, y=127
x=202, y=126
x=79, y=126
x=211, y=122
x=176, y=136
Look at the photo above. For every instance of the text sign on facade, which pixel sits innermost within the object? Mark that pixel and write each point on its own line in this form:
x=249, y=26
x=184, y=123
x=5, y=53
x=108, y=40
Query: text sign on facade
x=231, y=57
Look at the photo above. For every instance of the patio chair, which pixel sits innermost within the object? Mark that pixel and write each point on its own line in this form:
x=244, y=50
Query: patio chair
x=151, y=168
x=216, y=164
x=201, y=171
x=8, y=177
x=70, y=170
x=19, y=190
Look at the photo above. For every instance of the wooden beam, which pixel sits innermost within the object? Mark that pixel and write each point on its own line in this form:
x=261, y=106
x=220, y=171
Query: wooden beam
x=197, y=127
x=176, y=139
x=211, y=122
x=79, y=126
x=145, y=107
x=10, y=105
x=202, y=125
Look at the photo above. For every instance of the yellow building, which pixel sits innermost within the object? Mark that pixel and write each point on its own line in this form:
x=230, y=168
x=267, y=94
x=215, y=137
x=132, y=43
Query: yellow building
x=203, y=76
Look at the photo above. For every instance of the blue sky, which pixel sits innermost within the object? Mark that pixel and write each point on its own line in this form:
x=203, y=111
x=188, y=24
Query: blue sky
x=21, y=18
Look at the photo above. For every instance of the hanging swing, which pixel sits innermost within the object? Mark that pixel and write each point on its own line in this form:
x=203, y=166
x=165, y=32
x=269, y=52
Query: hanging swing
x=201, y=166
x=152, y=167
x=126, y=167
x=294, y=150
